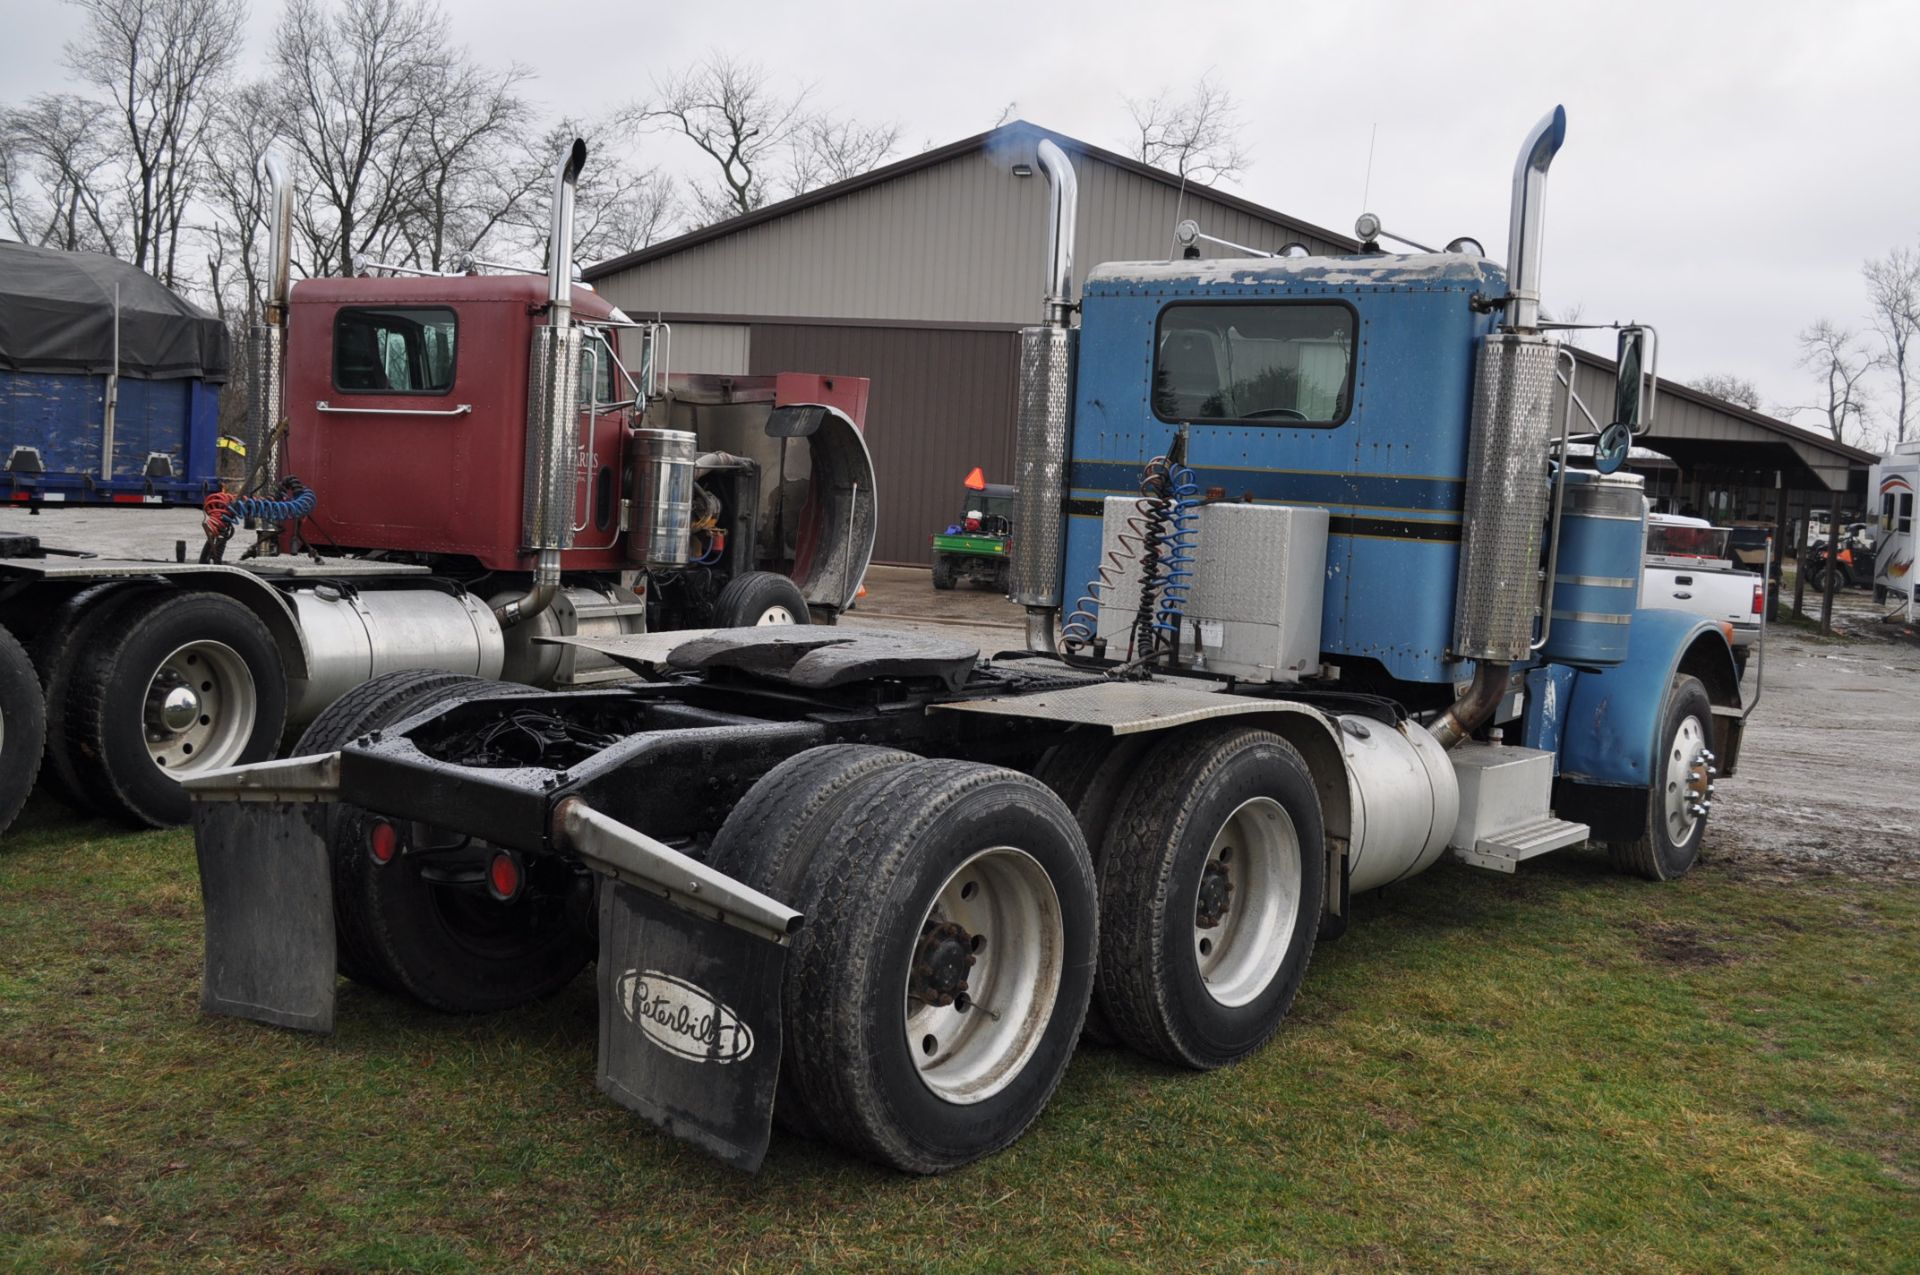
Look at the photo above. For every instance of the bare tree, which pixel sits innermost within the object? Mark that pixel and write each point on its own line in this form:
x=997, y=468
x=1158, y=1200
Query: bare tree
x=1840, y=362
x=461, y=162
x=619, y=206
x=726, y=107
x=160, y=61
x=1196, y=136
x=1007, y=113
x=56, y=165
x=825, y=150
x=358, y=88
x=245, y=126
x=1729, y=388
x=1893, y=289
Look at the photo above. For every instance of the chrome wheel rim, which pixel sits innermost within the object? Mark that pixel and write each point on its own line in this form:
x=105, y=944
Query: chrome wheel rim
x=1247, y=902
x=199, y=709
x=1001, y=910
x=1689, y=780
x=776, y=614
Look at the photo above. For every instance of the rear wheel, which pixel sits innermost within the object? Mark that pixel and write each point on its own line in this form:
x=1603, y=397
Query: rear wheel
x=759, y=597
x=1091, y=777
x=22, y=727
x=412, y=912
x=71, y=630
x=770, y=838
x=1682, y=794
x=1213, y=880
x=195, y=685
x=933, y=1000
x=369, y=706
x=942, y=571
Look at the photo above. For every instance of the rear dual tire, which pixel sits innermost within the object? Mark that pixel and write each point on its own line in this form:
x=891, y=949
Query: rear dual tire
x=939, y=894
x=1213, y=878
x=452, y=947
x=162, y=686
x=23, y=724
x=759, y=598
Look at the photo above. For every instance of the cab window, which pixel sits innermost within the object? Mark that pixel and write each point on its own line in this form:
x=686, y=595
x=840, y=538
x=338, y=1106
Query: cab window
x=1257, y=363
x=598, y=383
x=394, y=350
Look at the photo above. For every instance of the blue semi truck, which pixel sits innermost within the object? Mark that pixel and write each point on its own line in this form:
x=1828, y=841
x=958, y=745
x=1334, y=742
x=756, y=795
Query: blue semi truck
x=1315, y=597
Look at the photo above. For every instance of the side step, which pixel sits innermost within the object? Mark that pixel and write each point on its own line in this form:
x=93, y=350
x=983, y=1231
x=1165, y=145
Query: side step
x=1507, y=848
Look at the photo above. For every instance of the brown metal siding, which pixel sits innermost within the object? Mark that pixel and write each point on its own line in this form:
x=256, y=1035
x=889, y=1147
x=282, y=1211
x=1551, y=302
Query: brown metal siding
x=942, y=402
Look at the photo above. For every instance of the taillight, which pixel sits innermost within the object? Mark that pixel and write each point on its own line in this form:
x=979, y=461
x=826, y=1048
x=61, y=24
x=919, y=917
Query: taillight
x=1760, y=597
x=503, y=876
x=383, y=841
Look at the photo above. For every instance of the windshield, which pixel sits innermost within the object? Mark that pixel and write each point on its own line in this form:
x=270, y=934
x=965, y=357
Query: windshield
x=1669, y=541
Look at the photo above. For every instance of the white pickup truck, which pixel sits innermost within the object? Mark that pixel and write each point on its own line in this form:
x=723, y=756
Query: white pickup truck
x=1687, y=569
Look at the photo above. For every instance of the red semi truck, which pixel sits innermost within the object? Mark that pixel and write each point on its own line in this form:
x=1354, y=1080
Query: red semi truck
x=448, y=470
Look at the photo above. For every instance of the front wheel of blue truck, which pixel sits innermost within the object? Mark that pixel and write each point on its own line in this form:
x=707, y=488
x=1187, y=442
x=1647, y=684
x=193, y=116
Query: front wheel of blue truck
x=1682, y=794
x=934, y=996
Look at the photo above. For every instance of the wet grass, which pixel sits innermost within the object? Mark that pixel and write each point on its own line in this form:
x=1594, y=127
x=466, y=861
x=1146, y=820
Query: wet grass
x=1558, y=1070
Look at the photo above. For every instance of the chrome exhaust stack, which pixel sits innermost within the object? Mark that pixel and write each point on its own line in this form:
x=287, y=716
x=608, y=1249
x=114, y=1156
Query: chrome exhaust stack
x=1527, y=218
x=1505, y=512
x=267, y=343
x=553, y=393
x=1044, y=416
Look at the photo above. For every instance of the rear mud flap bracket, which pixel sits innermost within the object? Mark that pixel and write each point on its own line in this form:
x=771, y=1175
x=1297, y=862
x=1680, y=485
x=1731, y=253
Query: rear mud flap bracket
x=689, y=1022
x=266, y=884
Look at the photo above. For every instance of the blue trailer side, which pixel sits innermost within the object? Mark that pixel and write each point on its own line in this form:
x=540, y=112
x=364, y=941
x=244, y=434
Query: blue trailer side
x=53, y=434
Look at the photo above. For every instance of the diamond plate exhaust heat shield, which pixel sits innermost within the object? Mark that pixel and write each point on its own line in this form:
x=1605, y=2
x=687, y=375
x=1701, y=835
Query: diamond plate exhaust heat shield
x=1506, y=499
x=553, y=415
x=1040, y=464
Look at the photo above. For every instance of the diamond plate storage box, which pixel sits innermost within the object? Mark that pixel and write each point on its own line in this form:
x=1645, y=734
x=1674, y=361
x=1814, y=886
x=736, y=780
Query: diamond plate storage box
x=1259, y=572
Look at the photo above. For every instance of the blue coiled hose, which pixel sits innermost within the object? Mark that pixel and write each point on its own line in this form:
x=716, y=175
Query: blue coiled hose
x=298, y=503
x=1181, y=498
x=1159, y=537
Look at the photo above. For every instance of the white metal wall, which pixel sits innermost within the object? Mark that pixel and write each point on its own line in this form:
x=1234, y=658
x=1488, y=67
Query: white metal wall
x=725, y=349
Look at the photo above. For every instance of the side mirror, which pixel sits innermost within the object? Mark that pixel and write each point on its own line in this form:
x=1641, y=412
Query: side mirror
x=1628, y=404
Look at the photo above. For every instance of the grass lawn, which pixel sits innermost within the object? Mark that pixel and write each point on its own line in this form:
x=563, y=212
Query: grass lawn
x=1561, y=1069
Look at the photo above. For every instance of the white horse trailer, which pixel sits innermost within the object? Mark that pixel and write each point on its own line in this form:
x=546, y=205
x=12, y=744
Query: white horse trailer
x=1892, y=482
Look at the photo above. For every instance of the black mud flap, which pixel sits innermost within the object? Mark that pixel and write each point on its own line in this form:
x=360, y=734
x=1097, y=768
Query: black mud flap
x=689, y=1023
x=268, y=892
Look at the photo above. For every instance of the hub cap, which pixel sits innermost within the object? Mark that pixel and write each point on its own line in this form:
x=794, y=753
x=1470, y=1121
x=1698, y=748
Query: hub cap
x=775, y=615
x=987, y=966
x=1689, y=780
x=1247, y=902
x=200, y=708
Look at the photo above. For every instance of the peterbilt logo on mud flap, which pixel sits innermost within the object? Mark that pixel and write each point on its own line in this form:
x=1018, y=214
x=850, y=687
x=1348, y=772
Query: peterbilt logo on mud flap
x=684, y=1019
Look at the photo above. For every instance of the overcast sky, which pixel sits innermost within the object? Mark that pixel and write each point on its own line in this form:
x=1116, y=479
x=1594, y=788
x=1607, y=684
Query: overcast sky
x=1728, y=167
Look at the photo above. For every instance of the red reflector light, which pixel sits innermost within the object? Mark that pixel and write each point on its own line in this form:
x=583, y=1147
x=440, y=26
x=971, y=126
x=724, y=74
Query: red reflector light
x=503, y=876
x=383, y=841
x=977, y=480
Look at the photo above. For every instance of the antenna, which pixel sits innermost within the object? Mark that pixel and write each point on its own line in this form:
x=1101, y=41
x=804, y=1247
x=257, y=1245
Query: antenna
x=1179, y=206
x=1366, y=187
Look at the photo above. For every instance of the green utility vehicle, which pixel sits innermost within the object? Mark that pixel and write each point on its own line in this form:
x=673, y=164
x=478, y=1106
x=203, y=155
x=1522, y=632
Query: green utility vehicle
x=975, y=548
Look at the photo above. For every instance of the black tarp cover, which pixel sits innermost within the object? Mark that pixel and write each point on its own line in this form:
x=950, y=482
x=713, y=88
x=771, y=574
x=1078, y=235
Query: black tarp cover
x=56, y=315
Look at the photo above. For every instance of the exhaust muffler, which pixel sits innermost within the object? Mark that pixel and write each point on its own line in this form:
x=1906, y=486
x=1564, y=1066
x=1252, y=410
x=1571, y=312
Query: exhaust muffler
x=1042, y=422
x=553, y=395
